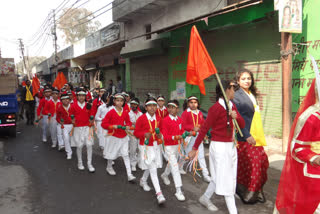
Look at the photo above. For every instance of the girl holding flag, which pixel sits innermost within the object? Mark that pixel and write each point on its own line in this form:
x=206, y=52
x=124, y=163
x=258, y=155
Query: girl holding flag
x=192, y=119
x=147, y=131
x=117, y=122
x=222, y=152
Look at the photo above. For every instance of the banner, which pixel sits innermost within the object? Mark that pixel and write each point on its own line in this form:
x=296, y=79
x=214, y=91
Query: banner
x=290, y=16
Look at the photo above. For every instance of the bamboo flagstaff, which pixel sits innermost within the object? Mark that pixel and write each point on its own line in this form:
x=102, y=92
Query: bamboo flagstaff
x=227, y=101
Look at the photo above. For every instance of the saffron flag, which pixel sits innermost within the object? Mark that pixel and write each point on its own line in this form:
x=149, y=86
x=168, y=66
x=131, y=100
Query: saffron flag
x=200, y=65
x=59, y=81
x=35, y=85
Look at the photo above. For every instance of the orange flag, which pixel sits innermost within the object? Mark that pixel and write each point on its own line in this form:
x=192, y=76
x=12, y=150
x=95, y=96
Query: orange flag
x=56, y=81
x=63, y=80
x=200, y=65
x=35, y=85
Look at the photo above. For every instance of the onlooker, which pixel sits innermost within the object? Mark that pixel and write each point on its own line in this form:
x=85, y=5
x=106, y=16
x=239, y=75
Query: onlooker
x=252, y=160
x=111, y=88
x=119, y=87
x=29, y=102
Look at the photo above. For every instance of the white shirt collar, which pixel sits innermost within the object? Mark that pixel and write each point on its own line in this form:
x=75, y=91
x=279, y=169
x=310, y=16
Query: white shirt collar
x=175, y=118
x=48, y=99
x=196, y=112
x=113, y=107
x=81, y=105
x=67, y=107
x=151, y=118
x=163, y=108
x=221, y=102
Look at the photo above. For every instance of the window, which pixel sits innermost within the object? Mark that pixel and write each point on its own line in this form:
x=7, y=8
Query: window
x=148, y=30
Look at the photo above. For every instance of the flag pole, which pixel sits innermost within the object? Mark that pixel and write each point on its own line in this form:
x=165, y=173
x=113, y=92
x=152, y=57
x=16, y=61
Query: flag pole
x=227, y=101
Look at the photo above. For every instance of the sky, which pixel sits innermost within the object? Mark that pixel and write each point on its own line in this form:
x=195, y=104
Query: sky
x=23, y=19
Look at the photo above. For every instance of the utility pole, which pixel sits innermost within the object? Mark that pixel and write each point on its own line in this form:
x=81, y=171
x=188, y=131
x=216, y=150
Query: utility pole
x=21, y=46
x=55, y=38
x=286, y=52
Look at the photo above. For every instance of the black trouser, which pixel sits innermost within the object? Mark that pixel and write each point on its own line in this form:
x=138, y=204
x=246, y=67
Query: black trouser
x=29, y=108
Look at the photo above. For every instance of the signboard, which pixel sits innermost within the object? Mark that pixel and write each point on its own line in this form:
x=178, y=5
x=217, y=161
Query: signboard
x=181, y=90
x=290, y=16
x=110, y=34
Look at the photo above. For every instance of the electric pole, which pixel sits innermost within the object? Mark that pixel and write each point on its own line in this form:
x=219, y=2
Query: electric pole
x=21, y=46
x=55, y=38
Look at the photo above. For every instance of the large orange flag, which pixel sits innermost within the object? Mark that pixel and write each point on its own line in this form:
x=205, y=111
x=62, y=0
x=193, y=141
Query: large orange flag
x=200, y=65
x=35, y=85
x=63, y=80
x=59, y=81
x=56, y=81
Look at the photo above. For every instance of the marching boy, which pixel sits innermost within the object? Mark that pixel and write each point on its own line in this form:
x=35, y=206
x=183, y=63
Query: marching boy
x=43, y=111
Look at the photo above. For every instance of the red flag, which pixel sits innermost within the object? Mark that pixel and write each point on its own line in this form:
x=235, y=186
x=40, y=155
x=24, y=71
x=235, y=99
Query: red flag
x=200, y=65
x=56, y=81
x=63, y=80
x=35, y=85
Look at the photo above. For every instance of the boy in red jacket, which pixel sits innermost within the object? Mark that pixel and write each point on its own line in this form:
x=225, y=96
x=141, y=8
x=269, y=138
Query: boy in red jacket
x=65, y=123
x=117, y=122
x=162, y=111
x=83, y=133
x=172, y=131
x=53, y=105
x=43, y=111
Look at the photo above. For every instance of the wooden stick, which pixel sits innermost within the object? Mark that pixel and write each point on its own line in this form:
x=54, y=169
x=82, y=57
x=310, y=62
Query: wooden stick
x=225, y=97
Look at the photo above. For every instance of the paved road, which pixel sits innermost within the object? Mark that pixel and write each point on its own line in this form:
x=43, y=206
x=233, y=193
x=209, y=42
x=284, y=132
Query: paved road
x=56, y=186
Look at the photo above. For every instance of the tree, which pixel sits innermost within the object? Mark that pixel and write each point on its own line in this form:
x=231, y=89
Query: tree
x=75, y=24
x=31, y=61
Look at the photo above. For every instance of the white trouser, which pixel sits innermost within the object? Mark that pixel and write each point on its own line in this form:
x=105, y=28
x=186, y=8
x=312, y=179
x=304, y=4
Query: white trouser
x=201, y=157
x=173, y=166
x=44, y=126
x=126, y=161
x=230, y=201
x=66, y=138
x=53, y=130
x=133, y=146
x=81, y=135
x=60, y=135
x=154, y=178
x=100, y=133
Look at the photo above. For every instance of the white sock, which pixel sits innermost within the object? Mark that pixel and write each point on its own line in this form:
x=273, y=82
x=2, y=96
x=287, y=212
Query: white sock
x=79, y=155
x=145, y=175
x=126, y=161
x=109, y=164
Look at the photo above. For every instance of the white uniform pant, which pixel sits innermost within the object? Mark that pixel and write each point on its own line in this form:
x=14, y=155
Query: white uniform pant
x=201, y=157
x=81, y=136
x=60, y=135
x=173, y=166
x=154, y=178
x=66, y=138
x=133, y=154
x=100, y=133
x=44, y=123
x=223, y=161
x=53, y=130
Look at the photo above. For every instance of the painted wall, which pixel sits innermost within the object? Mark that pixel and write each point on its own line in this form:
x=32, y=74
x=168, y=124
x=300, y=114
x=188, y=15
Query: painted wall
x=309, y=43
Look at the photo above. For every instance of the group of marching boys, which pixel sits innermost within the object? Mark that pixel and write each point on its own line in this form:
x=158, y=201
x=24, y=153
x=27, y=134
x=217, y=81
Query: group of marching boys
x=73, y=119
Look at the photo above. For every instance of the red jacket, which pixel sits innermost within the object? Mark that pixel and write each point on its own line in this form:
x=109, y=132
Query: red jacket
x=217, y=121
x=88, y=96
x=82, y=115
x=143, y=127
x=113, y=118
x=189, y=122
x=53, y=107
x=95, y=105
x=43, y=107
x=162, y=113
x=171, y=128
x=64, y=114
x=126, y=108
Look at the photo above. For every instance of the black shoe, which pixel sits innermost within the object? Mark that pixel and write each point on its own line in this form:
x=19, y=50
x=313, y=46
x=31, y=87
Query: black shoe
x=28, y=122
x=32, y=123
